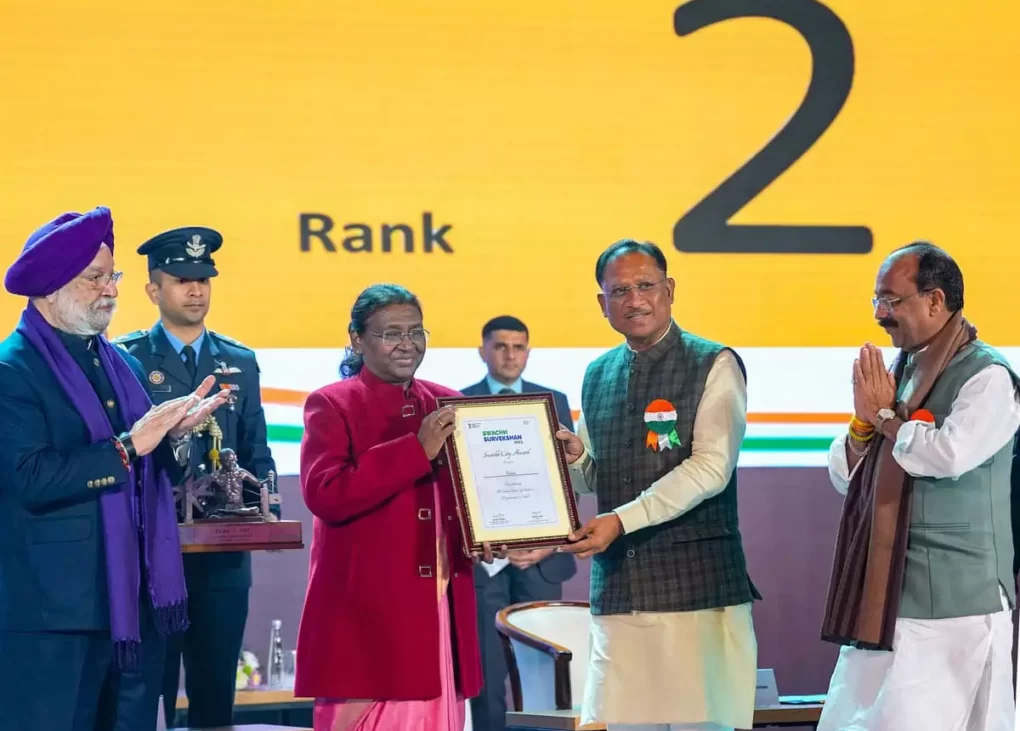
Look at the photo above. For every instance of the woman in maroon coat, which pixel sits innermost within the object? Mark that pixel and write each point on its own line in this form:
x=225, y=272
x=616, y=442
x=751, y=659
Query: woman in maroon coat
x=388, y=633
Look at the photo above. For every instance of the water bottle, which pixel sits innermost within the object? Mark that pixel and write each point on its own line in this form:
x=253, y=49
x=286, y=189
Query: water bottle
x=275, y=658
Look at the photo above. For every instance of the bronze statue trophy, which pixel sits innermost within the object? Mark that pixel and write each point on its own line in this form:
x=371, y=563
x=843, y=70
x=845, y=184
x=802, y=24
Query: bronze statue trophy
x=216, y=517
x=221, y=493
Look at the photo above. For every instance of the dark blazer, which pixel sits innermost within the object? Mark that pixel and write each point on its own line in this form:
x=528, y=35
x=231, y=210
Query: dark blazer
x=243, y=424
x=52, y=565
x=562, y=406
x=558, y=567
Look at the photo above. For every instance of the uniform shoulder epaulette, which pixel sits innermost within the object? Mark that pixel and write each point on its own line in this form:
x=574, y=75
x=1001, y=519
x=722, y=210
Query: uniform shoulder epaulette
x=136, y=335
x=231, y=341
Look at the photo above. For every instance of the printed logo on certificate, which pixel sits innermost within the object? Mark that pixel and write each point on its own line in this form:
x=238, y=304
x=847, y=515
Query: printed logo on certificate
x=509, y=471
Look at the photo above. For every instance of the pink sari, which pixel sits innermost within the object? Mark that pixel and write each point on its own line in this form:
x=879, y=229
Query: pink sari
x=445, y=713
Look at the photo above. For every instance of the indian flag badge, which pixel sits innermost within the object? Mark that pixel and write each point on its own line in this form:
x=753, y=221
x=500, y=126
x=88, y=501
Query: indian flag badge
x=660, y=417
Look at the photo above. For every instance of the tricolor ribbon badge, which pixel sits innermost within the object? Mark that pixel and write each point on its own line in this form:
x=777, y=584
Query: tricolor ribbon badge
x=660, y=418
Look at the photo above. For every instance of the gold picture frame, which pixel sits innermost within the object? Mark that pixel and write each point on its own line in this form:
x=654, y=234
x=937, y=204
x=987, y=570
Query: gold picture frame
x=481, y=502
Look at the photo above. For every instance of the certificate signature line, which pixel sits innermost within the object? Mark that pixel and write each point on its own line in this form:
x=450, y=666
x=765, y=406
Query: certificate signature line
x=511, y=474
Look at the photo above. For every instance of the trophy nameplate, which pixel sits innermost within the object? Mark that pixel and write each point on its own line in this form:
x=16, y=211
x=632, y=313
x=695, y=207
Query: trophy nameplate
x=227, y=522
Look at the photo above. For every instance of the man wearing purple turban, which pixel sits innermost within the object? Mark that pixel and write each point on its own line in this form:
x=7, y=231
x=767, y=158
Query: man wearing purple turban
x=91, y=579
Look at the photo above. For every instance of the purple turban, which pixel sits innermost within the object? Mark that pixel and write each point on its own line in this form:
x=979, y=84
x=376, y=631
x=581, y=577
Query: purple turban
x=59, y=251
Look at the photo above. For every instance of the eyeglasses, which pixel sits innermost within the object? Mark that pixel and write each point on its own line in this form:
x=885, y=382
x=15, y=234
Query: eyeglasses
x=102, y=281
x=889, y=303
x=394, y=338
x=617, y=293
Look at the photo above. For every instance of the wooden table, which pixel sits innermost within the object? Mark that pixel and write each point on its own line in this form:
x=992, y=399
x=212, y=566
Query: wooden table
x=257, y=697
x=805, y=714
x=262, y=706
x=788, y=714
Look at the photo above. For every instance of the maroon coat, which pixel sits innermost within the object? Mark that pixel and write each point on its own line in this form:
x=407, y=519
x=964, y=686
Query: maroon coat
x=370, y=624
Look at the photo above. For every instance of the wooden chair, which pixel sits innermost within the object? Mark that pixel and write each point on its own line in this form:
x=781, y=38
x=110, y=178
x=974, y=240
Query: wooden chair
x=546, y=647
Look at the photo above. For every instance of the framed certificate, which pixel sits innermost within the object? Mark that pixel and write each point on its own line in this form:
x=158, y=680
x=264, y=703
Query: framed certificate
x=510, y=472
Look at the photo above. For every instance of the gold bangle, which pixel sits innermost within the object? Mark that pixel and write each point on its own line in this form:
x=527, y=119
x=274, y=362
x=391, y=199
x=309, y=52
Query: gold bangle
x=858, y=437
x=861, y=426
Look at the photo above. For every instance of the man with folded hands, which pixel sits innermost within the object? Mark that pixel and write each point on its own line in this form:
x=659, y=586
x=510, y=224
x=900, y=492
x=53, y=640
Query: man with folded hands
x=922, y=583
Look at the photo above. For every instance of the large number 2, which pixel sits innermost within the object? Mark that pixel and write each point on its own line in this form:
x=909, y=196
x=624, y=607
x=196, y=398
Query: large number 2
x=706, y=227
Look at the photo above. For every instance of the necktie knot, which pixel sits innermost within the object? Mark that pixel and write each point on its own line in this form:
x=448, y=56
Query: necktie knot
x=504, y=391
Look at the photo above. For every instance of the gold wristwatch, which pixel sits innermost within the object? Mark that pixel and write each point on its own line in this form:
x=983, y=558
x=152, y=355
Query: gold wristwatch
x=883, y=416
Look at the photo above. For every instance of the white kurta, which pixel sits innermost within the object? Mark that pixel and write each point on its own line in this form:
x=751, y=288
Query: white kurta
x=951, y=674
x=685, y=670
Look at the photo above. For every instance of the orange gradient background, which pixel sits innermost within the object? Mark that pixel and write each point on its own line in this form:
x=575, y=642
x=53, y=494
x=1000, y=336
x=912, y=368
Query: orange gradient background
x=540, y=131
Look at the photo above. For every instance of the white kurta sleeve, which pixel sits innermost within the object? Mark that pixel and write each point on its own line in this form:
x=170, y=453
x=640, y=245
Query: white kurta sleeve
x=719, y=427
x=984, y=416
x=840, y=473
x=582, y=472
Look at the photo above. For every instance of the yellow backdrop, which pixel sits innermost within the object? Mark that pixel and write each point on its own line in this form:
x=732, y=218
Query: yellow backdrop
x=539, y=131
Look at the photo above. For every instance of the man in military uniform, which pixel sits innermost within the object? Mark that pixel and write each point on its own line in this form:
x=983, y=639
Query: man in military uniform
x=177, y=353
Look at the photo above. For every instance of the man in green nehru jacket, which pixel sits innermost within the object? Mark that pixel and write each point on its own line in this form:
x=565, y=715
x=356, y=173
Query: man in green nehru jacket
x=663, y=416
x=922, y=583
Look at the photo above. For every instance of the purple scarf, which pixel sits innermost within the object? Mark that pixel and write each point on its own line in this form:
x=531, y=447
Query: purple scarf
x=125, y=523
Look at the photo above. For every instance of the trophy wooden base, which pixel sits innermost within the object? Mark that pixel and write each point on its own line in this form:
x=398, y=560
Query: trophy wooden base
x=221, y=536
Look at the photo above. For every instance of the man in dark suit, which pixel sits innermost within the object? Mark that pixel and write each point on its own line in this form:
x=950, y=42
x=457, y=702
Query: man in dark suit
x=505, y=352
x=178, y=352
x=91, y=580
x=523, y=576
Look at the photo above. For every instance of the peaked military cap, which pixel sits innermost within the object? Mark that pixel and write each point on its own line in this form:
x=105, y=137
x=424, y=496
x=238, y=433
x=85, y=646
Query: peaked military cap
x=184, y=252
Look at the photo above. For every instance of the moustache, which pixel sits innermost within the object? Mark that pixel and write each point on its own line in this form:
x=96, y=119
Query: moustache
x=886, y=322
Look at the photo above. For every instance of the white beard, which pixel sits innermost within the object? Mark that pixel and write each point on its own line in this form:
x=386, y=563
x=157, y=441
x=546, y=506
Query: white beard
x=79, y=319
